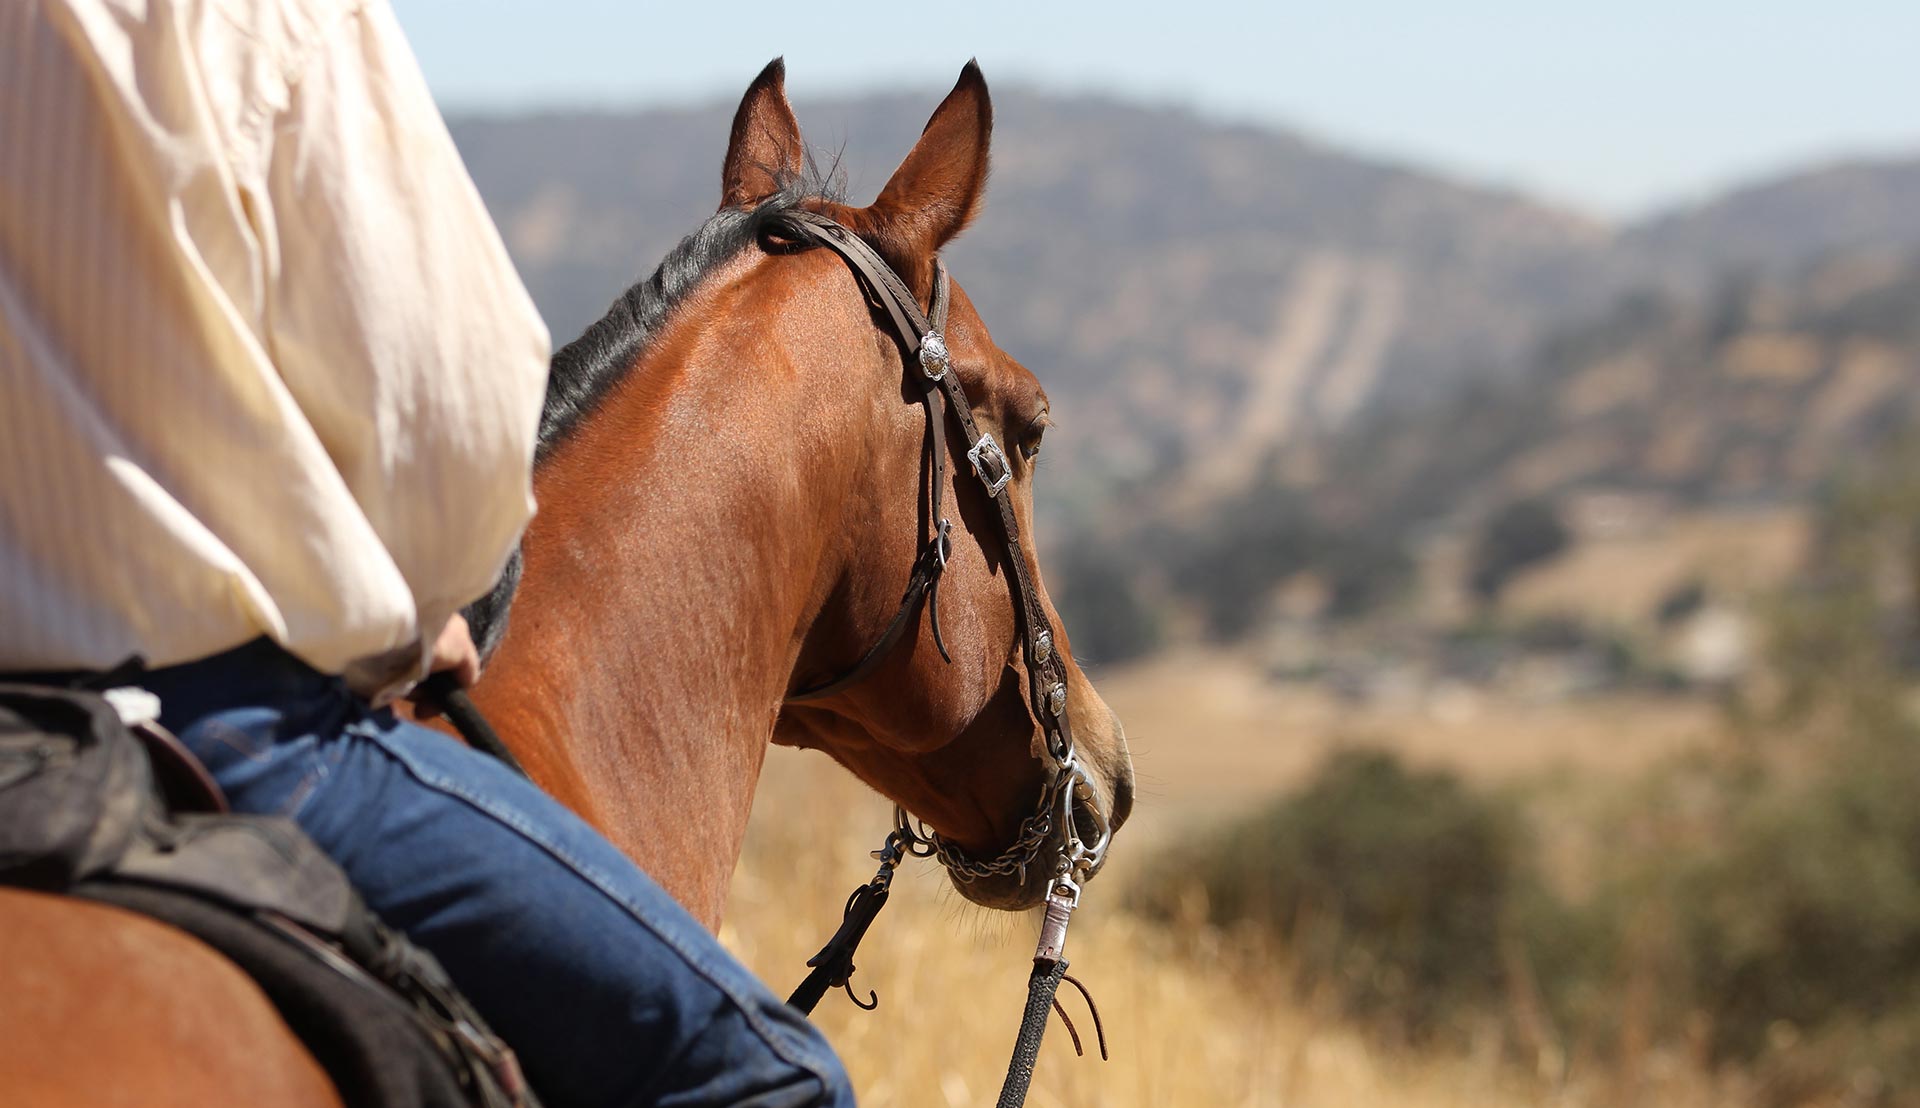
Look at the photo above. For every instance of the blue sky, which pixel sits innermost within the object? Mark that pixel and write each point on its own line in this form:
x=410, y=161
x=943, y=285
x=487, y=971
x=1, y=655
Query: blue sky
x=1616, y=108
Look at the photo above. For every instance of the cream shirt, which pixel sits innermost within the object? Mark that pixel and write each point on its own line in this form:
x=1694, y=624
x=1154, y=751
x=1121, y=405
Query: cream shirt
x=265, y=367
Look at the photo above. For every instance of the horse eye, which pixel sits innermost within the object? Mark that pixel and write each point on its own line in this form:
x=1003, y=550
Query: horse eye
x=1030, y=438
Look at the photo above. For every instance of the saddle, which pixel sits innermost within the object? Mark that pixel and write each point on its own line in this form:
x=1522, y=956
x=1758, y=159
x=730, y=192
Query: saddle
x=98, y=801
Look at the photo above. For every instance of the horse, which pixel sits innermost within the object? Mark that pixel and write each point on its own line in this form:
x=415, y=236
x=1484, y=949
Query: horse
x=103, y=1006
x=730, y=477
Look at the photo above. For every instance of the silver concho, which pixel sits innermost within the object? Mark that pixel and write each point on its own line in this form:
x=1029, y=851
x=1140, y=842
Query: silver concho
x=1043, y=646
x=933, y=355
x=1057, y=699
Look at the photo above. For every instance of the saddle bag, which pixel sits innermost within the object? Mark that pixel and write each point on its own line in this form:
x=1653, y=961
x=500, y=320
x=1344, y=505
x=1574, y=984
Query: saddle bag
x=74, y=787
x=82, y=812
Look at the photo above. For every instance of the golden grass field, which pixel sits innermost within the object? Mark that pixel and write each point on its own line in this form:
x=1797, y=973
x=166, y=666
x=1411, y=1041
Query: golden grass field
x=1196, y=1018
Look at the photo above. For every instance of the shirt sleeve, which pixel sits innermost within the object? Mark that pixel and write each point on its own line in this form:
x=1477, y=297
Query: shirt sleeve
x=395, y=316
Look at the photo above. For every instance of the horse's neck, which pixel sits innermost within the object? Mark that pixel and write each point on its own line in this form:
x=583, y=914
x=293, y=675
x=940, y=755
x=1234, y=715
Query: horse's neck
x=669, y=576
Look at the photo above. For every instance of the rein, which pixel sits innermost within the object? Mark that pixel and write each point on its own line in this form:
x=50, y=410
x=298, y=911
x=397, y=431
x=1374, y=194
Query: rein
x=444, y=689
x=1065, y=800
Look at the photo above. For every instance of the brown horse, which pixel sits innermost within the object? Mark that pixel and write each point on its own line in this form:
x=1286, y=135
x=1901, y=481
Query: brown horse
x=99, y=1006
x=734, y=514
x=730, y=500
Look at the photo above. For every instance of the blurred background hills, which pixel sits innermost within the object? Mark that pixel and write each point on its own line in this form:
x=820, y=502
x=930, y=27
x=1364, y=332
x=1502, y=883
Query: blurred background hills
x=1515, y=615
x=1301, y=369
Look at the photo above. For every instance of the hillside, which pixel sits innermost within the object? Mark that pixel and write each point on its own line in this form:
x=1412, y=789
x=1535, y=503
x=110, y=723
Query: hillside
x=1677, y=443
x=1189, y=291
x=1279, y=356
x=1784, y=221
x=1193, y=293
x=1752, y=393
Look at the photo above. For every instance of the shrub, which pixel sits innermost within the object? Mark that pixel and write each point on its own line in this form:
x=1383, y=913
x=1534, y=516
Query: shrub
x=1520, y=535
x=1810, y=912
x=1390, y=886
x=1229, y=569
x=1103, y=609
x=1780, y=917
x=1364, y=571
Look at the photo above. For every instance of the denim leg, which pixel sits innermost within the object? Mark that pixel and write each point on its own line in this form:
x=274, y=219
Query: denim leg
x=608, y=990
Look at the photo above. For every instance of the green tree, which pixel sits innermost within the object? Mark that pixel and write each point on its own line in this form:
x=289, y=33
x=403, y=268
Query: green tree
x=1102, y=605
x=1520, y=535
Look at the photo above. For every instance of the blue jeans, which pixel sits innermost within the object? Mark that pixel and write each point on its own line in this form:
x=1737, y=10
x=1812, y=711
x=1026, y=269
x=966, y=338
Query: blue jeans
x=607, y=989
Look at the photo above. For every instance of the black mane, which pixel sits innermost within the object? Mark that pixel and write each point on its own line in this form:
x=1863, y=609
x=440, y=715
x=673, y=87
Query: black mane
x=586, y=370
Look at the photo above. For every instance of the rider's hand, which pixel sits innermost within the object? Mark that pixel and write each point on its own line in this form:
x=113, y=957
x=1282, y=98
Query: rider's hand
x=453, y=652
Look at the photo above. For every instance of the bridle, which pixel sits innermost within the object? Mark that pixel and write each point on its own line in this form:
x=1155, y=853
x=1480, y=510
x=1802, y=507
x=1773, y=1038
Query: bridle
x=1069, y=794
x=1068, y=801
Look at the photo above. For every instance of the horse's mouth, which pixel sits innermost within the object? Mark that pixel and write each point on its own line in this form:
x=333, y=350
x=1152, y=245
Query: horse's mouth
x=1019, y=891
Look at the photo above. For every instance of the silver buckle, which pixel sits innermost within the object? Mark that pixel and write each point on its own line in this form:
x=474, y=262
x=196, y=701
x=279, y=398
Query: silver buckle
x=990, y=464
x=934, y=358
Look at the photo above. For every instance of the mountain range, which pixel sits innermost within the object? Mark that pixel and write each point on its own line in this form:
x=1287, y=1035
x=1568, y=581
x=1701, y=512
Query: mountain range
x=1218, y=309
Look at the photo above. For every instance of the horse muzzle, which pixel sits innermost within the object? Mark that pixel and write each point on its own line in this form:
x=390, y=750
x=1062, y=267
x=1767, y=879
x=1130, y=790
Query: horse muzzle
x=1074, y=833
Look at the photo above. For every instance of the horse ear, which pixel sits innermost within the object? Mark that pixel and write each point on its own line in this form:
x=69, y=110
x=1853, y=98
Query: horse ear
x=765, y=151
x=939, y=187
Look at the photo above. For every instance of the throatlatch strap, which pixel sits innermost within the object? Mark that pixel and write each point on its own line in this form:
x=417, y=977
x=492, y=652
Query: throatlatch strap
x=912, y=326
x=903, y=309
x=926, y=578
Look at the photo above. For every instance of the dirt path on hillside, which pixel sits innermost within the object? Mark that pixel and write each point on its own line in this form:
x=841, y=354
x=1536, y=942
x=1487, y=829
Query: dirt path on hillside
x=1333, y=325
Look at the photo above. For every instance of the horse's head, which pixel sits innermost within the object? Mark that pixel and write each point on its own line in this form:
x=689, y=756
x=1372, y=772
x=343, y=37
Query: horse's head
x=958, y=743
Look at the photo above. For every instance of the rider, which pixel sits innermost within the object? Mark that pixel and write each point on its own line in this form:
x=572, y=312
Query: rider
x=268, y=395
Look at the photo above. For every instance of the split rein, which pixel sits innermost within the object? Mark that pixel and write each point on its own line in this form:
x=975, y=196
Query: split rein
x=1068, y=812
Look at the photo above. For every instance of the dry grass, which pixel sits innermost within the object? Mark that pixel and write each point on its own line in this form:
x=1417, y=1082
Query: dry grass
x=1195, y=1018
x=1620, y=580
x=1194, y=1026
x=1212, y=737
x=1198, y=1019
